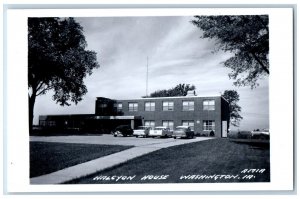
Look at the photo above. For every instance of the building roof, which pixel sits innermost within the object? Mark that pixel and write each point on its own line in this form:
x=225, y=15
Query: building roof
x=176, y=97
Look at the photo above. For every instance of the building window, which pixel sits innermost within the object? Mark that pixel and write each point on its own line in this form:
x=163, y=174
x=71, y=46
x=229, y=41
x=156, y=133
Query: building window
x=149, y=106
x=168, y=123
x=188, y=105
x=209, y=105
x=150, y=123
x=51, y=123
x=168, y=106
x=119, y=107
x=102, y=105
x=189, y=123
x=43, y=123
x=208, y=125
x=132, y=106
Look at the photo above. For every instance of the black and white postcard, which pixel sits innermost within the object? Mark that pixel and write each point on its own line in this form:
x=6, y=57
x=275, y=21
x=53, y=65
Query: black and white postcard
x=150, y=99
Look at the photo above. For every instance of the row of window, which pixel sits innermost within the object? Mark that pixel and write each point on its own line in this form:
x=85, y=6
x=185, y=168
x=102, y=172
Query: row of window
x=47, y=123
x=169, y=106
x=208, y=125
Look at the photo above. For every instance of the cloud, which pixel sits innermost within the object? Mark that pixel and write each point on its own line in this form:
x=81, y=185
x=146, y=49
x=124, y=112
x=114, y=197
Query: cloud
x=176, y=54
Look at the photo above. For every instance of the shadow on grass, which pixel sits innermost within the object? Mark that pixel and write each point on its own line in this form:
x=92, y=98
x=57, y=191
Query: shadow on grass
x=48, y=157
x=205, y=158
x=64, y=133
x=254, y=143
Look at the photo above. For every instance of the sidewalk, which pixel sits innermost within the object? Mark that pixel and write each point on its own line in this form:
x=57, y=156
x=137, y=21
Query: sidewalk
x=102, y=163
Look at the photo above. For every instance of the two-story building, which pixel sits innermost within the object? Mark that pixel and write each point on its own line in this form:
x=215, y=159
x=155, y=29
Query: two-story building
x=207, y=115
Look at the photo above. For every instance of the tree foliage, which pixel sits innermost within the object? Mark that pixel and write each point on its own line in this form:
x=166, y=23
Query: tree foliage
x=57, y=60
x=246, y=37
x=233, y=97
x=179, y=90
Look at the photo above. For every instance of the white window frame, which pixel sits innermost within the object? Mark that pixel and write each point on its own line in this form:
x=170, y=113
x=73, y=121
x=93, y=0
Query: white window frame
x=209, y=105
x=190, y=123
x=189, y=107
x=149, y=106
x=211, y=126
x=150, y=123
x=119, y=106
x=169, y=106
x=133, y=106
x=171, y=127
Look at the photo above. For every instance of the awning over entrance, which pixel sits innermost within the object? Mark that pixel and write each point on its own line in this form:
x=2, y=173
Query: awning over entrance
x=116, y=117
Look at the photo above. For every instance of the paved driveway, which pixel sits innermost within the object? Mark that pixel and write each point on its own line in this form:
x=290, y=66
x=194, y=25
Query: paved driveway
x=110, y=140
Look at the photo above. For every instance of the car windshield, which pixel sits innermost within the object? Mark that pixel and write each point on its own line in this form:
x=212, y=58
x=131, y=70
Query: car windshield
x=180, y=128
x=159, y=128
x=141, y=127
x=121, y=127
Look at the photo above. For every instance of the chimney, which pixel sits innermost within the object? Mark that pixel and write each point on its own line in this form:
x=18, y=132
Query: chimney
x=191, y=93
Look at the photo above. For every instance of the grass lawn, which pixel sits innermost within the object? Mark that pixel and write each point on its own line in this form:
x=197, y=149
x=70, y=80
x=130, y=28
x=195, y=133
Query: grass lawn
x=210, y=157
x=47, y=157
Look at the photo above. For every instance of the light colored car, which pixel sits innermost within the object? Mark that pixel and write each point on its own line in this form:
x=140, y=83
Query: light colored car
x=151, y=131
x=263, y=134
x=183, y=132
x=160, y=131
x=142, y=131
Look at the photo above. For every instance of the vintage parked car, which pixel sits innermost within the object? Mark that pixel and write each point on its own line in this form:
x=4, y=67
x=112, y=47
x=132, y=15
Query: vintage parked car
x=151, y=131
x=160, y=131
x=142, y=131
x=124, y=130
x=183, y=132
x=260, y=134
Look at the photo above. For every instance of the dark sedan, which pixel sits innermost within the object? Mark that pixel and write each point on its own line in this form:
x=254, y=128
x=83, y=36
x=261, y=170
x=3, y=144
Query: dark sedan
x=124, y=130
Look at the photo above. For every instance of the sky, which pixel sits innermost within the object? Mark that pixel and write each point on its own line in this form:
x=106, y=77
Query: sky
x=176, y=54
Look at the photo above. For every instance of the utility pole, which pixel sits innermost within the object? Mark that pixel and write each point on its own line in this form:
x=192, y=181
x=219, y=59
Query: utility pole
x=147, y=79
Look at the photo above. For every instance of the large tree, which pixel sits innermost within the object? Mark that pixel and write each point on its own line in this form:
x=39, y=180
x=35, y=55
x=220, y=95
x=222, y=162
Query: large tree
x=57, y=60
x=179, y=90
x=246, y=37
x=233, y=97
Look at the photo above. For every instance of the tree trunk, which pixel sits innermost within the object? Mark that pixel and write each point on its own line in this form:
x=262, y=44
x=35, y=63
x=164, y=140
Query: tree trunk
x=31, y=109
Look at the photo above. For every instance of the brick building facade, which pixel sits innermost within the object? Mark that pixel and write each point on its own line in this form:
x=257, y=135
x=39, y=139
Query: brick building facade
x=206, y=115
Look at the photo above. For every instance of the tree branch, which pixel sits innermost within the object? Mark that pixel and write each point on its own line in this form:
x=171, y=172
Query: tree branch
x=260, y=63
x=39, y=86
x=44, y=90
x=256, y=58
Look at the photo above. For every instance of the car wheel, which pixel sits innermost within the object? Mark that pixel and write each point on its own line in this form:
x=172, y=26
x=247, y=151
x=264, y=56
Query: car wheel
x=115, y=135
x=136, y=136
x=174, y=137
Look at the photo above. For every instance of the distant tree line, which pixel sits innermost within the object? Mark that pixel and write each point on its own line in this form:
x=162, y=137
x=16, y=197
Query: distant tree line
x=179, y=90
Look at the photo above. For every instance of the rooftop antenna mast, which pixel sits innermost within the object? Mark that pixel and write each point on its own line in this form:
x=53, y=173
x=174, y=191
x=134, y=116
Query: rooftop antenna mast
x=147, y=79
